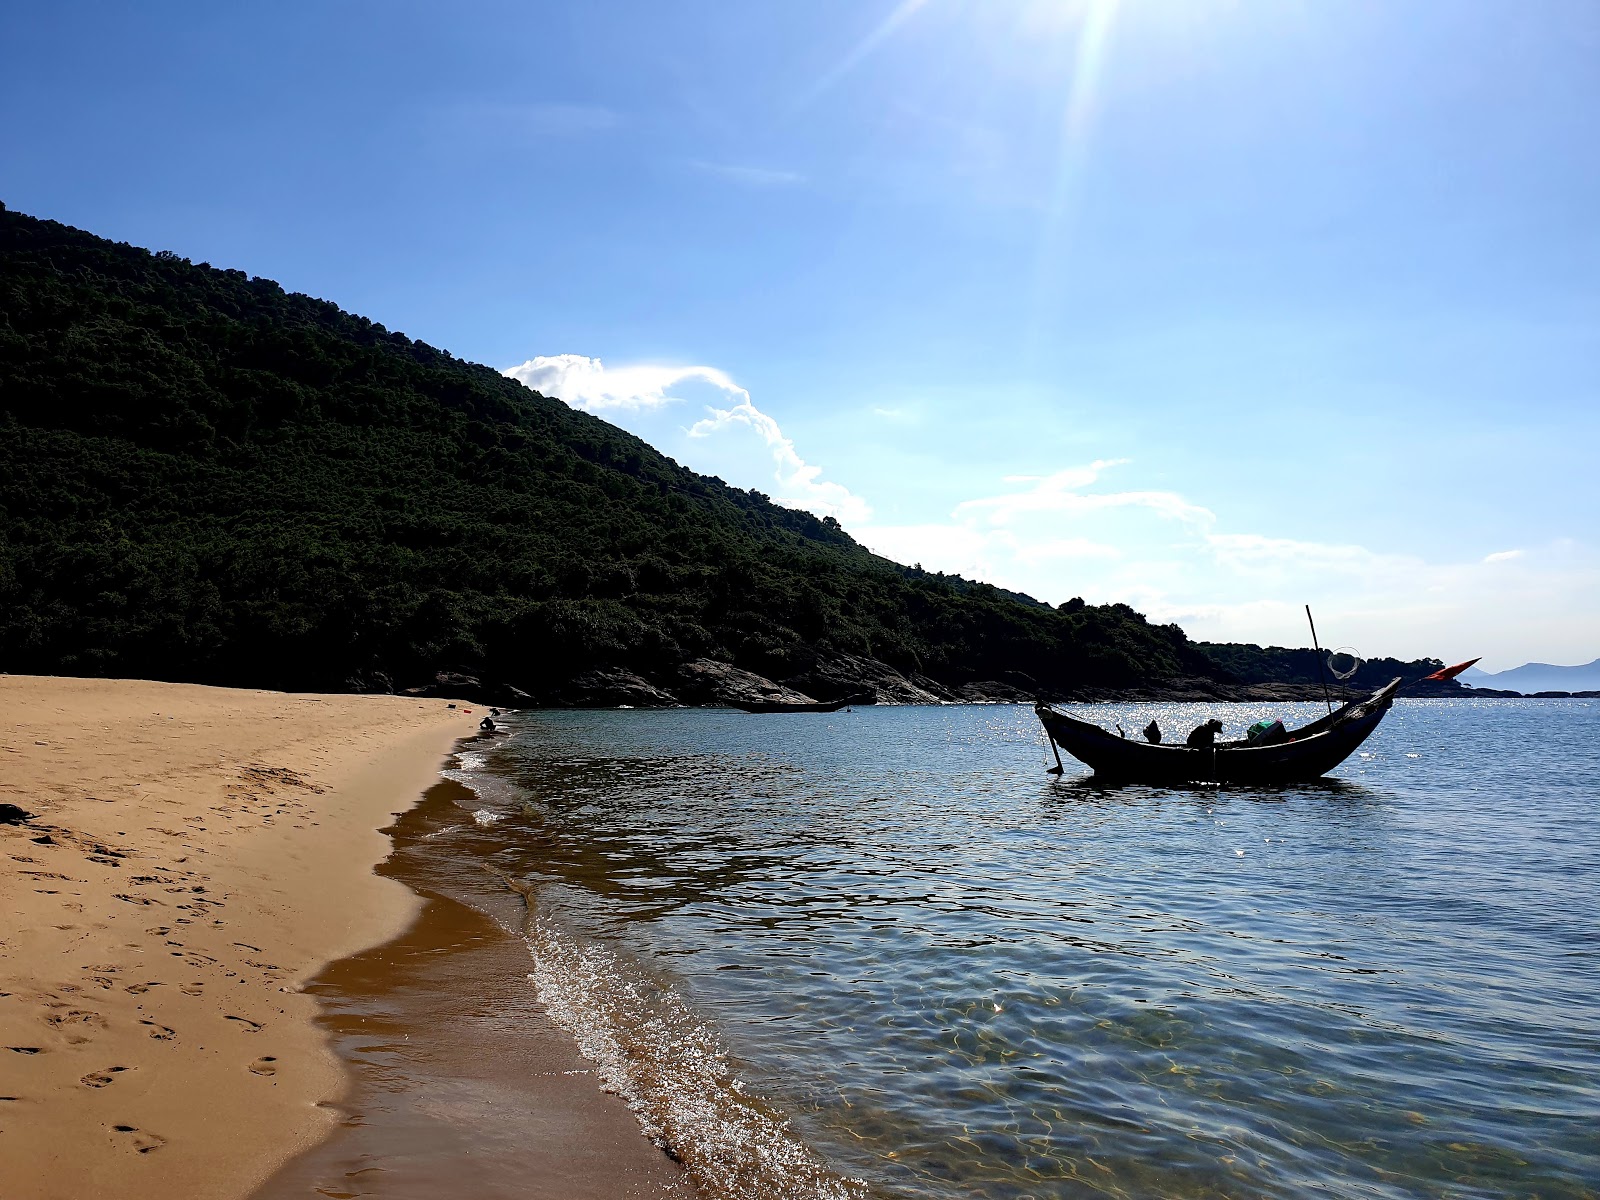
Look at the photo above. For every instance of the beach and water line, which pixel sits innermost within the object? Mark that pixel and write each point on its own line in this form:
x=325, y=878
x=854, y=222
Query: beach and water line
x=882, y=954
x=190, y=859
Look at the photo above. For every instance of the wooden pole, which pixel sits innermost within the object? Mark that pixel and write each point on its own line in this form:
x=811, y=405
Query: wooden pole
x=1320, y=673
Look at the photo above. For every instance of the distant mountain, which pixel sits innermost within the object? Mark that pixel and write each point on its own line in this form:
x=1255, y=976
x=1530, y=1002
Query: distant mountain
x=1537, y=677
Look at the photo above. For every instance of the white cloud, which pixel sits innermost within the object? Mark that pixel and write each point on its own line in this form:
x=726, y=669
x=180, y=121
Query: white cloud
x=1253, y=552
x=1017, y=539
x=1062, y=493
x=1056, y=536
x=956, y=550
x=802, y=487
x=1065, y=534
x=590, y=385
x=1060, y=548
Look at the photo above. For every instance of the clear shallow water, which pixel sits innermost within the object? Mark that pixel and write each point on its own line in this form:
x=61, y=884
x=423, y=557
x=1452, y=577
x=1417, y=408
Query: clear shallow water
x=882, y=952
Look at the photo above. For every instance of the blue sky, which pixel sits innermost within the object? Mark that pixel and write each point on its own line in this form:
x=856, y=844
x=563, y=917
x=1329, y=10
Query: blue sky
x=1217, y=307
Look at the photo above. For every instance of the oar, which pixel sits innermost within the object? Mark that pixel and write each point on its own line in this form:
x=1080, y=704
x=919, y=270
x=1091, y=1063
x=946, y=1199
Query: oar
x=1051, y=742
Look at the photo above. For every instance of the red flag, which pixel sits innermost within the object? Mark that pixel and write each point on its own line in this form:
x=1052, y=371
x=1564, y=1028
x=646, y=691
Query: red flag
x=1445, y=673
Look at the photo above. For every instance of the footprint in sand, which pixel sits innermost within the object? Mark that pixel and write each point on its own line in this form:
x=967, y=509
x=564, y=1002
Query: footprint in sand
x=249, y=1025
x=136, y=899
x=141, y=1141
x=193, y=989
x=70, y=1022
x=99, y=1079
x=25, y=1049
x=160, y=1032
x=264, y=1066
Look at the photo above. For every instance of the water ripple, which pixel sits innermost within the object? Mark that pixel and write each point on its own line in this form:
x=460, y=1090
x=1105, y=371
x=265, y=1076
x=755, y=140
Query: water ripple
x=957, y=977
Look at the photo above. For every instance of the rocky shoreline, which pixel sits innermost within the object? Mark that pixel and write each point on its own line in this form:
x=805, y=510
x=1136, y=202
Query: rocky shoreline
x=708, y=683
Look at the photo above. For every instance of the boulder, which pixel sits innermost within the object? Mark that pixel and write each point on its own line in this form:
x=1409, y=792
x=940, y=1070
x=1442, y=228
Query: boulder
x=452, y=685
x=933, y=687
x=614, y=688
x=993, y=691
x=370, y=683
x=707, y=681
x=832, y=675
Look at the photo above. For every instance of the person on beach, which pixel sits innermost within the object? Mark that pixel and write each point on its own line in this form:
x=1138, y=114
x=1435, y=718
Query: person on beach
x=487, y=725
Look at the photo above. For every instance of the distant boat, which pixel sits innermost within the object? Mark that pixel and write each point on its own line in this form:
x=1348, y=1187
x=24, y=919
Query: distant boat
x=778, y=706
x=1293, y=756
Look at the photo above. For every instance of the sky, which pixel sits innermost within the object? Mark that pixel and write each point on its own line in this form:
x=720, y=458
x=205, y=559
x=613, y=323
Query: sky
x=1218, y=308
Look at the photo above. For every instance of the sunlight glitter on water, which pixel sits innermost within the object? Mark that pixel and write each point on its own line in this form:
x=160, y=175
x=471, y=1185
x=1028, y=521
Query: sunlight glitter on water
x=951, y=976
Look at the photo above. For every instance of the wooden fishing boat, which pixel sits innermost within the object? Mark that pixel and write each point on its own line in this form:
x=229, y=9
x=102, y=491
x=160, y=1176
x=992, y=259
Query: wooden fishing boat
x=1299, y=754
x=778, y=706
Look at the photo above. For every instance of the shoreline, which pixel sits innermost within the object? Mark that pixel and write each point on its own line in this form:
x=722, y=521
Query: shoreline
x=461, y=1083
x=190, y=857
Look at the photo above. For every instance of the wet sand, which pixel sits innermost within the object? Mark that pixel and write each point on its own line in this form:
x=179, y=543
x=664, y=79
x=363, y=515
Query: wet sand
x=185, y=860
x=462, y=1087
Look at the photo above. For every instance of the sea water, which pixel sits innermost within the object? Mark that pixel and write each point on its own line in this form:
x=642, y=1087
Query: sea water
x=884, y=953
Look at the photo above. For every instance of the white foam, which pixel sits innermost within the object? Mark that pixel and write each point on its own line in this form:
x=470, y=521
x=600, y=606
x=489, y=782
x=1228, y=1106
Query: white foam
x=650, y=1049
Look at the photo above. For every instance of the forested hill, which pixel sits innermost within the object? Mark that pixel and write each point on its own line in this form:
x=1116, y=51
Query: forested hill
x=1305, y=666
x=205, y=478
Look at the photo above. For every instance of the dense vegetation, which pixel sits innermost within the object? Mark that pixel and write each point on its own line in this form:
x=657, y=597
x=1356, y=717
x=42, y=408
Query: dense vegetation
x=1275, y=664
x=205, y=478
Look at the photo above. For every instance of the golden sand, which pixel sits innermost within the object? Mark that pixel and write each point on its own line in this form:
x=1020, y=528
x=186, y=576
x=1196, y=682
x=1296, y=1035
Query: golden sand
x=193, y=856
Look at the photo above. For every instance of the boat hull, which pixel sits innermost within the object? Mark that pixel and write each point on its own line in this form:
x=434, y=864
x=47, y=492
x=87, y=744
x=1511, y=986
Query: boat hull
x=773, y=706
x=1309, y=754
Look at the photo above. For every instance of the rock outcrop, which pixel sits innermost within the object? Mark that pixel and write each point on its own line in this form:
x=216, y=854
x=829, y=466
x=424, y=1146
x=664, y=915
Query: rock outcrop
x=992, y=691
x=706, y=681
x=615, y=689
x=832, y=676
x=453, y=685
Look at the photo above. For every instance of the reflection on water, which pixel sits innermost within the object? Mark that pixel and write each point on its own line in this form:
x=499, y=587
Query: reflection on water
x=961, y=977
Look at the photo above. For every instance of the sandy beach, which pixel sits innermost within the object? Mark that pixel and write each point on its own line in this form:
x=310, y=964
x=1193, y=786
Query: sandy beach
x=190, y=857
